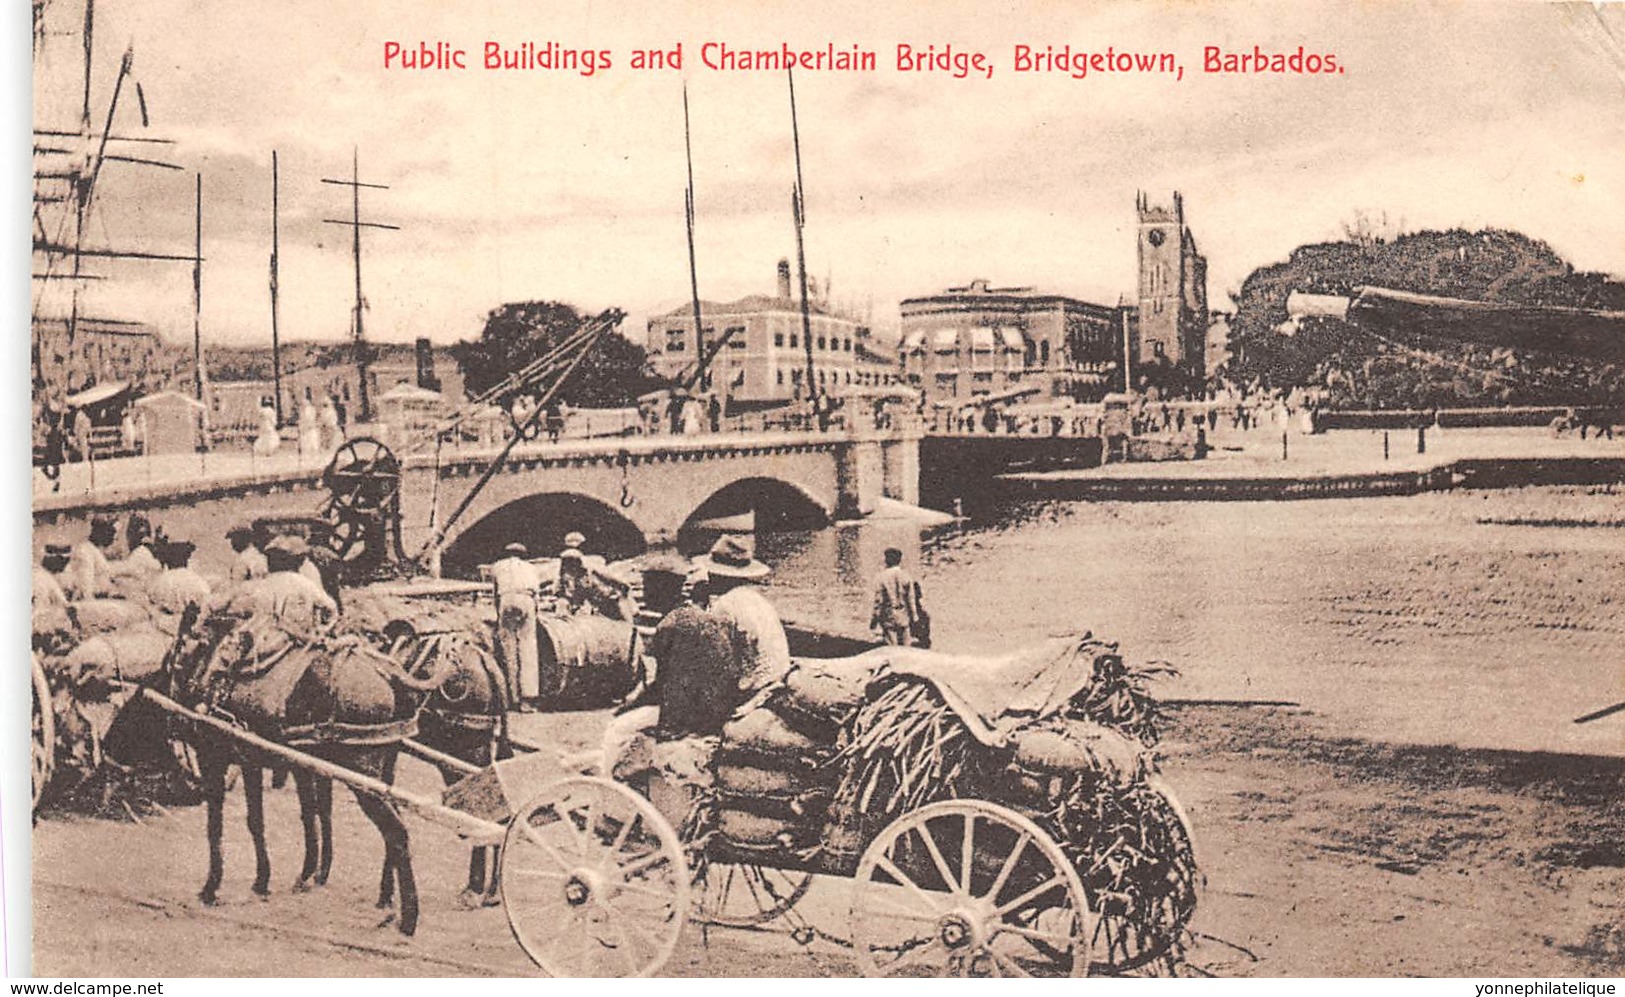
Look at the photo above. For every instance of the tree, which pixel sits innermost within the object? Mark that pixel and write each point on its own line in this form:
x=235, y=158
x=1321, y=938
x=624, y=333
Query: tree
x=1363, y=370
x=614, y=372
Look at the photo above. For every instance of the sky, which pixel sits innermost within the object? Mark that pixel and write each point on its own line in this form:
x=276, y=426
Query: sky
x=516, y=185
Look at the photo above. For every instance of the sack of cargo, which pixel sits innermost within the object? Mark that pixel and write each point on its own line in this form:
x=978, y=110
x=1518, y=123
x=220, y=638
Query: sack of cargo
x=759, y=831
x=585, y=661
x=750, y=780
x=132, y=655
x=830, y=687
x=810, y=805
x=105, y=616
x=1069, y=746
x=763, y=733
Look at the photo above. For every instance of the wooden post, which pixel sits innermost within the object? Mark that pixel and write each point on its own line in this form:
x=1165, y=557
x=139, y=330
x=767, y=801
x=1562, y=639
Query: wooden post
x=276, y=344
x=197, y=299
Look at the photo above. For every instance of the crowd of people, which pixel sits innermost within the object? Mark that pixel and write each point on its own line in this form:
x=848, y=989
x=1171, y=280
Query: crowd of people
x=282, y=576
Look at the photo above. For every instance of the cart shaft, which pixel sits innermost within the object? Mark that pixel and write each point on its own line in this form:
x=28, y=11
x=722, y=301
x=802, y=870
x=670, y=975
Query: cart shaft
x=477, y=830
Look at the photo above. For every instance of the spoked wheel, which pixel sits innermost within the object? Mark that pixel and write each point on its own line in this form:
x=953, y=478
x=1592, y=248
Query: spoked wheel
x=593, y=881
x=743, y=896
x=1166, y=899
x=968, y=888
x=363, y=481
x=43, y=745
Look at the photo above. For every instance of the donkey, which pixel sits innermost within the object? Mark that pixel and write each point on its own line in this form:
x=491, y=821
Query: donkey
x=315, y=686
x=465, y=717
x=463, y=713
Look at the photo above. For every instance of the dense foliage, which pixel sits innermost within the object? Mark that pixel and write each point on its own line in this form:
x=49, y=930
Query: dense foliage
x=1361, y=370
x=614, y=373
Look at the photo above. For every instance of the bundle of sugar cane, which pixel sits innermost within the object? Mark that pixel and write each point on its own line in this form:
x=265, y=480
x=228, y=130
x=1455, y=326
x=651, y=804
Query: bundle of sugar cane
x=1137, y=863
x=1117, y=696
x=904, y=748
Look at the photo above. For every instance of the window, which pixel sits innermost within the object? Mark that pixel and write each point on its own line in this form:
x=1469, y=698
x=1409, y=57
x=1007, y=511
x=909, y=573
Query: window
x=982, y=378
x=778, y=375
x=778, y=339
x=820, y=342
x=794, y=340
x=1043, y=353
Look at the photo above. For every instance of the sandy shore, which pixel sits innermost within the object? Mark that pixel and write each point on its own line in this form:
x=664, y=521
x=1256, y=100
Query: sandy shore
x=1324, y=855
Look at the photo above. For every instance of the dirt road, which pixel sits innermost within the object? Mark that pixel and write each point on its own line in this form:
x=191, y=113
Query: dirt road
x=1324, y=856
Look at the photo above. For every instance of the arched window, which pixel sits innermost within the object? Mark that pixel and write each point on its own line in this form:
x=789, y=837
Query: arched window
x=1043, y=353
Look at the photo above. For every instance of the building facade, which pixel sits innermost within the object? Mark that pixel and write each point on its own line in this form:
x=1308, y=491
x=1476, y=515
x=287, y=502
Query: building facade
x=1173, y=313
x=765, y=359
x=978, y=340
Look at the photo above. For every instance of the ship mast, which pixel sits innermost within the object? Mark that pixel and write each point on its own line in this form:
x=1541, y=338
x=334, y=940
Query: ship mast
x=693, y=269
x=355, y=224
x=798, y=206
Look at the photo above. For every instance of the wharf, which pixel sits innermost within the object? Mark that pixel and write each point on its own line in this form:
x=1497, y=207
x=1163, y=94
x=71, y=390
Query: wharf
x=1249, y=466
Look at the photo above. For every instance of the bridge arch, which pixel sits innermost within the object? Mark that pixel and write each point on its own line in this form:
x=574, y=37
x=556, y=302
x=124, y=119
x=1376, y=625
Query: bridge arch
x=759, y=503
x=540, y=521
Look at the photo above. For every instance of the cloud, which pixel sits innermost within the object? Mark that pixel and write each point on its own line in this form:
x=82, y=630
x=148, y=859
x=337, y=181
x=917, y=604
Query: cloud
x=521, y=184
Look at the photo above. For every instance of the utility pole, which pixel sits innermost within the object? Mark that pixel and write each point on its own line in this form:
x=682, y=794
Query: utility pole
x=693, y=271
x=1128, y=349
x=798, y=206
x=276, y=342
x=358, y=333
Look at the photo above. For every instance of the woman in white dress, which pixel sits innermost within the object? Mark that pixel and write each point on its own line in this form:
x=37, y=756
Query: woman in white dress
x=310, y=430
x=269, y=439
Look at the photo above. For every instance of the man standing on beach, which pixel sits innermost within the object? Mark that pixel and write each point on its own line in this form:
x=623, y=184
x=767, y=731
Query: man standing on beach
x=897, y=601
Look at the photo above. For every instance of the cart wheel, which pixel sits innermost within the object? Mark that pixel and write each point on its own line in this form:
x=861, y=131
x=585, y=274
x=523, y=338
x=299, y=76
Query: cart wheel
x=743, y=896
x=968, y=888
x=593, y=881
x=1121, y=945
x=44, y=734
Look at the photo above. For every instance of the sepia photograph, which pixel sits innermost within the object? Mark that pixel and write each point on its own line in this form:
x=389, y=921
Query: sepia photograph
x=781, y=490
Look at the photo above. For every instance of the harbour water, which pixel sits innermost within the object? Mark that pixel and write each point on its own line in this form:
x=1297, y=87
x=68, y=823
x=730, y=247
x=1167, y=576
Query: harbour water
x=1483, y=619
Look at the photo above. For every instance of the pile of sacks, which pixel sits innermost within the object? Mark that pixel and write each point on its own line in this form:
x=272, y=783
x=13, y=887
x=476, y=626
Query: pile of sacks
x=773, y=783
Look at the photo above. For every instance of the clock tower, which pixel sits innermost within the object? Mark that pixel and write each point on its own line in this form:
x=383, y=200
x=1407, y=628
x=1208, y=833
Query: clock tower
x=1173, y=288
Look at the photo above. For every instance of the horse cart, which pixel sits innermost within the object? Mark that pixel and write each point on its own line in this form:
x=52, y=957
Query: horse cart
x=1041, y=845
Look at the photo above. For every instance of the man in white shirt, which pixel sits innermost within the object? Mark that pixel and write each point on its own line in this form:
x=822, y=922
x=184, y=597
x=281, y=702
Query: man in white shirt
x=291, y=599
x=89, y=574
x=760, y=640
x=178, y=587
x=517, y=581
x=249, y=563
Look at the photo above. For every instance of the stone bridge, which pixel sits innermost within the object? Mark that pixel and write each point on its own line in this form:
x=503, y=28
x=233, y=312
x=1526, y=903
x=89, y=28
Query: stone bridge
x=624, y=493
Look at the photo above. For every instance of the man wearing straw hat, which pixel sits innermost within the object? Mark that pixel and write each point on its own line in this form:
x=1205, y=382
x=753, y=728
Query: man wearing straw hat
x=760, y=641
x=516, y=581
